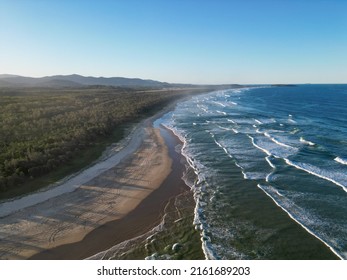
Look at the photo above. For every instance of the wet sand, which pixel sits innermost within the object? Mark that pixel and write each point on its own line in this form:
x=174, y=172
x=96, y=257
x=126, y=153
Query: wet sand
x=147, y=215
x=120, y=203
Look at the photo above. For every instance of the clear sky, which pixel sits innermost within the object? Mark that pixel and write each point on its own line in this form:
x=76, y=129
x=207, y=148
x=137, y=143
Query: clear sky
x=188, y=41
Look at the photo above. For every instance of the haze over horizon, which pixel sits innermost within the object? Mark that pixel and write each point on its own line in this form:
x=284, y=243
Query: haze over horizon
x=200, y=42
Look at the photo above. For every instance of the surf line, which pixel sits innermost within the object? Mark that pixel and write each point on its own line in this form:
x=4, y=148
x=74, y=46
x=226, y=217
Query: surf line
x=302, y=225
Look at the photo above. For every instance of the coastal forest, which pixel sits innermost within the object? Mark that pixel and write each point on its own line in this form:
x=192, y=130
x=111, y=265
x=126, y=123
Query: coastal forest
x=45, y=131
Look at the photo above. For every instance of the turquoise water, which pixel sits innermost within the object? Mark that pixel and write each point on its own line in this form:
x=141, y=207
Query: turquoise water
x=264, y=156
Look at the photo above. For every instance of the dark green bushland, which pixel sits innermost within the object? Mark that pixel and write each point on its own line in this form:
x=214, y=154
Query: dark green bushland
x=48, y=133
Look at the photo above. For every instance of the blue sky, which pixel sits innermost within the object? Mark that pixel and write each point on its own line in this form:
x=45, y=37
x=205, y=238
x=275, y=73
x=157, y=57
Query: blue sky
x=188, y=41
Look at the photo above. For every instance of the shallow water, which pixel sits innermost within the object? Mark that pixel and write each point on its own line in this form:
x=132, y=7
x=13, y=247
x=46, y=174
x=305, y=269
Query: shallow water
x=271, y=169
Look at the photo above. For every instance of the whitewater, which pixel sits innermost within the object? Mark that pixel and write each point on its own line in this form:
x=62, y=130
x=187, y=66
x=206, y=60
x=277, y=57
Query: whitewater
x=250, y=144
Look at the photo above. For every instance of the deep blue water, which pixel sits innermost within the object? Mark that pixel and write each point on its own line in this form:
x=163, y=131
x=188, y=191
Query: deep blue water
x=288, y=142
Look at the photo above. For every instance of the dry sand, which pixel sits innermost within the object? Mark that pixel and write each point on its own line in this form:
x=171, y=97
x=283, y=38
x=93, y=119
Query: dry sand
x=101, y=194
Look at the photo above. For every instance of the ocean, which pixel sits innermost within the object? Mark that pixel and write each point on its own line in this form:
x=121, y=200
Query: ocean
x=270, y=170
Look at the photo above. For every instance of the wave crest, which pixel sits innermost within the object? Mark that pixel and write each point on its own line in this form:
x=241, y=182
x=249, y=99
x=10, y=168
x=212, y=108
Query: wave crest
x=302, y=140
x=341, y=160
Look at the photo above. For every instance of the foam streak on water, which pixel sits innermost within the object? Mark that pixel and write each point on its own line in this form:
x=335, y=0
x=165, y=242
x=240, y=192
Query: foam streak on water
x=316, y=172
x=340, y=160
x=263, y=132
x=302, y=140
x=267, y=190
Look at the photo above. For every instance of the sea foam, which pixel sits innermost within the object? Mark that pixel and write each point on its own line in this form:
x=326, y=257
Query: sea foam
x=341, y=160
x=197, y=189
x=219, y=103
x=274, y=148
x=221, y=112
x=257, y=146
x=317, y=172
x=284, y=203
x=302, y=140
x=232, y=121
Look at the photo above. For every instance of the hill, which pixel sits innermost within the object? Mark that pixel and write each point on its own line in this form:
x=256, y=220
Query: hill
x=74, y=80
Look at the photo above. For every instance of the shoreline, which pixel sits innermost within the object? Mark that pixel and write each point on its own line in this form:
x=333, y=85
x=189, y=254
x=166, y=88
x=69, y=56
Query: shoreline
x=176, y=225
x=111, y=156
x=75, y=225
x=141, y=221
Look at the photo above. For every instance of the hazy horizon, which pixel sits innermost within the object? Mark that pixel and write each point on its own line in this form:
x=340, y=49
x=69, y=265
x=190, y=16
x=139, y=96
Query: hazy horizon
x=199, y=84
x=205, y=42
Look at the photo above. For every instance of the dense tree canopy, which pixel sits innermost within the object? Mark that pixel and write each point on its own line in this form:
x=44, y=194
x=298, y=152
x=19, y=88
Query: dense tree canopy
x=41, y=130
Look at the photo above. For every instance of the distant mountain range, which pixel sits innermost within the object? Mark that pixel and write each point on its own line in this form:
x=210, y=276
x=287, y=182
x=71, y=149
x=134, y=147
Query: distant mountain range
x=74, y=80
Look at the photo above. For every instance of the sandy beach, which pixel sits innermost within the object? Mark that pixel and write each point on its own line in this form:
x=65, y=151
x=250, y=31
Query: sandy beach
x=95, y=209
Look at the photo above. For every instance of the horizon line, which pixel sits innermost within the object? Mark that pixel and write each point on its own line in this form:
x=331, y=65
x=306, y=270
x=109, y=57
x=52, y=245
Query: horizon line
x=183, y=83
